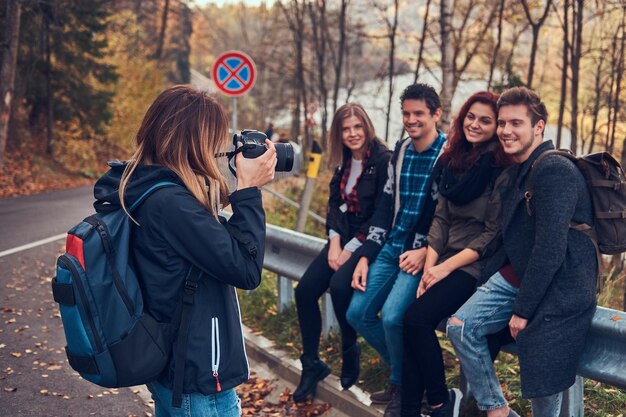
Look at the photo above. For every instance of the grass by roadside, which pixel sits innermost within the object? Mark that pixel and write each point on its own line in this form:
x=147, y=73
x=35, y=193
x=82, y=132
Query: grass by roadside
x=260, y=314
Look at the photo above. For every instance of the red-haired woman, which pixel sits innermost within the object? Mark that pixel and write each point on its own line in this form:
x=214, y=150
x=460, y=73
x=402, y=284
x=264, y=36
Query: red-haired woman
x=465, y=229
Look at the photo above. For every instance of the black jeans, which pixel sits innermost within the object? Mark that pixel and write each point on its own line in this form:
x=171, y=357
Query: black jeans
x=422, y=363
x=316, y=280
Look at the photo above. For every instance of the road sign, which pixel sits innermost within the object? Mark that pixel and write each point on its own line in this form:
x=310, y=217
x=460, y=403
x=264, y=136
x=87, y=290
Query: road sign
x=311, y=107
x=234, y=73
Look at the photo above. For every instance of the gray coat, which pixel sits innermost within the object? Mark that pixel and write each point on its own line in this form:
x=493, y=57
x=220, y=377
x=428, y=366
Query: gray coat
x=557, y=266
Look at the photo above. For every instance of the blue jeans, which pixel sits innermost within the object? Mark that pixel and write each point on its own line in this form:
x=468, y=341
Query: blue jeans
x=390, y=291
x=223, y=404
x=488, y=311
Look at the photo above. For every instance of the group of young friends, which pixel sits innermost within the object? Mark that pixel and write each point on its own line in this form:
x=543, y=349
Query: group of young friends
x=445, y=227
x=457, y=226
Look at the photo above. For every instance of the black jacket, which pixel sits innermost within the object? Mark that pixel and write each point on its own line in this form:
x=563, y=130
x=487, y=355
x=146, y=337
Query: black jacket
x=368, y=188
x=174, y=232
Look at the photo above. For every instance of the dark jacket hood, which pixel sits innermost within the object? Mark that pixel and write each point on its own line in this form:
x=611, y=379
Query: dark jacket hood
x=144, y=177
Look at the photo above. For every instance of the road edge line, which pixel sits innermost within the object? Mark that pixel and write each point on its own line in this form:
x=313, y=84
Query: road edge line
x=32, y=245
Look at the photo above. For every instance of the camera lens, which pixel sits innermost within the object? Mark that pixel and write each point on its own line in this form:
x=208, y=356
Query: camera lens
x=284, y=154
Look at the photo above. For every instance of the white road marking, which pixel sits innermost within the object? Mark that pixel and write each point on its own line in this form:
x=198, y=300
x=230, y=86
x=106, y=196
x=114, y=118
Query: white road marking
x=32, y=245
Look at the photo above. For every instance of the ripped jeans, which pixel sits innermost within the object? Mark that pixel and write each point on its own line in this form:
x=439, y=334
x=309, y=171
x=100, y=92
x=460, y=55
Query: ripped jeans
x=488, y=311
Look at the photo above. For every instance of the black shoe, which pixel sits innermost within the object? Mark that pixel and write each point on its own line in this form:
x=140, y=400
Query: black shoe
x=350, y=366
x=313, y=371
x=451, y=407
x=384, y=396
x=395, y=405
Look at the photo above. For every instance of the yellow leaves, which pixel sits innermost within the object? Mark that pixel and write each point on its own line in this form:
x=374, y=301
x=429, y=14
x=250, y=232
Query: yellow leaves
x=16, y=354
x=616, y=318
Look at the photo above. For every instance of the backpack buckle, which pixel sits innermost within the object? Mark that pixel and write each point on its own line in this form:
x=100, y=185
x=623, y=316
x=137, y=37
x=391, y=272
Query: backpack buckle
x=618, y=185
x=191, y=286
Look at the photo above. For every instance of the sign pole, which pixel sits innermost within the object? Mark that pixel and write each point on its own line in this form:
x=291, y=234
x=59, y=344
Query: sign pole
x=234, y=115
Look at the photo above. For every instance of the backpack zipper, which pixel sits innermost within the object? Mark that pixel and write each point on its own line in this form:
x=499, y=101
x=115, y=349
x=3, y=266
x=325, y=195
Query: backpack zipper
x=83, y=295
x=215, y=350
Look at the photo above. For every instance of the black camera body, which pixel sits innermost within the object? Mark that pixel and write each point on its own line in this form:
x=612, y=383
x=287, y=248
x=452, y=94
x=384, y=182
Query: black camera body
x=251, y=143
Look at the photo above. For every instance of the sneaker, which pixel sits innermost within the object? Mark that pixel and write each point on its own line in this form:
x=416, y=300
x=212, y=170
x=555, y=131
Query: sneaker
x=384, y=396
x=450, y=408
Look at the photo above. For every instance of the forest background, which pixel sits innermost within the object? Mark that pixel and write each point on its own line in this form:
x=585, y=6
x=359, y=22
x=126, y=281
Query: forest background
x=77, y=75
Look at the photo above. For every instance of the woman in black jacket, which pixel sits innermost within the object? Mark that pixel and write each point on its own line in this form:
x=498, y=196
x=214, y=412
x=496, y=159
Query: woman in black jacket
x=180, y=138
x=361, y=160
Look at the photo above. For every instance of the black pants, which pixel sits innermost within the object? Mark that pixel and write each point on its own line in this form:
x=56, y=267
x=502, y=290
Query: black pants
x=422, y=362
x=316, y=280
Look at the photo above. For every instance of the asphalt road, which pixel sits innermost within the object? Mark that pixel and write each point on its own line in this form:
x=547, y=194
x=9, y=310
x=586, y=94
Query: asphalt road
x=31, y=218
x=35, y=378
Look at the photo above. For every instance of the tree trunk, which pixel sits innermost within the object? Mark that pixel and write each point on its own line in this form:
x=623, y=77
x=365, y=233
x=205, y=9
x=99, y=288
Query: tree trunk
x=536, y=27
x=7, y=72
x=577, y=33
x=609, y=96
x=161, y=41
x=596, y=103
x=494, y=58
x=618, y=82
x=319, y=38
x=392, y=53
x=49, y=92
x=565, y=64
x=533, y=54
x=420, y=53
x=447, y=75
x=340, y=53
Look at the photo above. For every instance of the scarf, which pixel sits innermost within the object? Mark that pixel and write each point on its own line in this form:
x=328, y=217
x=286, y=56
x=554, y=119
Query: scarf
x=463, y=187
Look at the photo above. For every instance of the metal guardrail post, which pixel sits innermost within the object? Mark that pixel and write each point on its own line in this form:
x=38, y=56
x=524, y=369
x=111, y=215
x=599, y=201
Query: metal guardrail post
x=285, y=293
x=573, y=400
x=329, y=321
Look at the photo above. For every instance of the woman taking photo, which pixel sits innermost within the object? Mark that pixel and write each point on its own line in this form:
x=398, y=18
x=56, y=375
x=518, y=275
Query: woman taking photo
x=178, y=231
x=465, y=229
x=361, y=160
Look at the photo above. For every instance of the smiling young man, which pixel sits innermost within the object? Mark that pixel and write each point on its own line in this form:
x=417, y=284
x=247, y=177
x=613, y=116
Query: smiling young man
x=543, y=277
x=396, y=242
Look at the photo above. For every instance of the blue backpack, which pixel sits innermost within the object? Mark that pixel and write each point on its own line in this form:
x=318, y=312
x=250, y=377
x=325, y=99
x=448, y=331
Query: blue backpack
x=111, y=340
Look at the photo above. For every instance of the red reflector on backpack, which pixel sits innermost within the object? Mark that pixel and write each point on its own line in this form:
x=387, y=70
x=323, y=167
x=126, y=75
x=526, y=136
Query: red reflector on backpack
x=74, y=246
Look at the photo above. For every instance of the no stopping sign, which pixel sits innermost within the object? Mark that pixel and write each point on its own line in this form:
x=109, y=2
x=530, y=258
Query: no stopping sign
x=234, y=73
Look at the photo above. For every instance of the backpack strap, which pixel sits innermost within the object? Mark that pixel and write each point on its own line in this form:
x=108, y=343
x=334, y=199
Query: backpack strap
x=580, y=227
x=149, y=191
x=180, y=349
x=530, y=176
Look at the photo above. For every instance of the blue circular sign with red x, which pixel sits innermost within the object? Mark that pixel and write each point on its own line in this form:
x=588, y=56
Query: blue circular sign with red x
x=234, y=73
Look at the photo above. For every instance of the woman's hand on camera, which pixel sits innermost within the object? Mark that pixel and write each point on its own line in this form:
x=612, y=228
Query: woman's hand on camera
x=256, y=172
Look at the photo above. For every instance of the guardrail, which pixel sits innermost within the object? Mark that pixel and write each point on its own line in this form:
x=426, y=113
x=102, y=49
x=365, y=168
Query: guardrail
x=289, y=253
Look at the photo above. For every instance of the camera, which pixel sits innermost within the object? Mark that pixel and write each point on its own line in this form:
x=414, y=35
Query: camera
x=252, y=144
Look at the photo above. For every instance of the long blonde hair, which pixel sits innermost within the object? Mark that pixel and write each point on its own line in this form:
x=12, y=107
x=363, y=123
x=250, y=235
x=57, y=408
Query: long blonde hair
x=182, y=130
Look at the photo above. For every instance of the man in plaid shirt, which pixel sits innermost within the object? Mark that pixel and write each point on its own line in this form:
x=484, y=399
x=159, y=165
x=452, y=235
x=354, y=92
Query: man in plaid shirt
x=396, y=242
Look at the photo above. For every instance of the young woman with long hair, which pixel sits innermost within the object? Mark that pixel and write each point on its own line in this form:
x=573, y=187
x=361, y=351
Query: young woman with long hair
x=178, y=231
x=464, y=232
x=361, y=161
